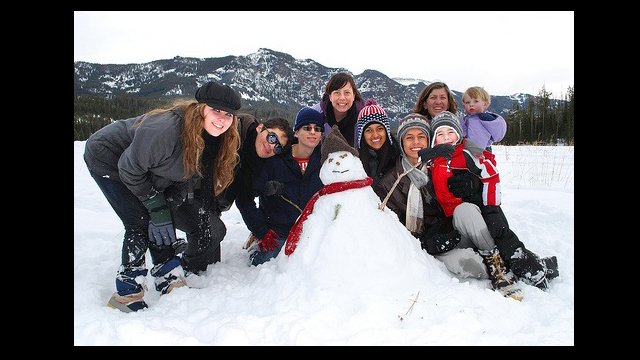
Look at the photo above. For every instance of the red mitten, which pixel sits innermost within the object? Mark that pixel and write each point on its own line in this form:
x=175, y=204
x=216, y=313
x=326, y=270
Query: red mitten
x=269, y=241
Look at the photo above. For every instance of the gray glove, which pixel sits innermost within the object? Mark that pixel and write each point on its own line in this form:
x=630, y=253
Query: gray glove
x=160, y=224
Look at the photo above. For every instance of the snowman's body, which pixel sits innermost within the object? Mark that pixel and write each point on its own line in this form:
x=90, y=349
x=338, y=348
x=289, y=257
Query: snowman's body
x=346, y=227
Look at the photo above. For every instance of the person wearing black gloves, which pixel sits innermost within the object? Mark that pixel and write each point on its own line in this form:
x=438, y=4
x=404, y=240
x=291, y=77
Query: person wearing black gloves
x=478, y=218
x=403, y=188
x=450, y=151
x=258, y=142
x=163, y=170
x=284, y=186
x=408, y=191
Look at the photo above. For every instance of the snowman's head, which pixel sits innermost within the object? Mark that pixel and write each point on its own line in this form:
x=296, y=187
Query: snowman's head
x=341, y=166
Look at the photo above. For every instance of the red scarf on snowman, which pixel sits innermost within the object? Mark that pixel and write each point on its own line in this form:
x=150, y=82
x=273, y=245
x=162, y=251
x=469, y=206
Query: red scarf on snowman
x=296, y=230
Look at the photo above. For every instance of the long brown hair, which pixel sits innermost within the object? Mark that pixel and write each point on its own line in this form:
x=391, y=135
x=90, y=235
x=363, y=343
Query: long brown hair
x=424, y=94
x=193, y=145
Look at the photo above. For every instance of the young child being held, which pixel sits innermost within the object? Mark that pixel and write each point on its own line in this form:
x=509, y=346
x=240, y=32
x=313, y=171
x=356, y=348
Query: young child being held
x=482, y=127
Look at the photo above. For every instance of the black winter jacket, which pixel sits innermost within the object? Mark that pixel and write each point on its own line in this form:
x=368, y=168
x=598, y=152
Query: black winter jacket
x=274, y=212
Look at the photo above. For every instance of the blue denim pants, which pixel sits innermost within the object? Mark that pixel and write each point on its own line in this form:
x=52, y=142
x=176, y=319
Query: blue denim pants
x=203, y=228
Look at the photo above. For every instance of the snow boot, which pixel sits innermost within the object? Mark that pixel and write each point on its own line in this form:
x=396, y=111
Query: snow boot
x=130, y=286
x=529, y=268
x=502, y=280
x=526, y=265
x=168, y=275
x=128, y=303
x=551, y=263
x=539, y=276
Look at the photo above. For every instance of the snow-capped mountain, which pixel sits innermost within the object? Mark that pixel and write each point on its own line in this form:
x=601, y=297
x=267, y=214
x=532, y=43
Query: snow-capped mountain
x=264, y=77
x=410, y=81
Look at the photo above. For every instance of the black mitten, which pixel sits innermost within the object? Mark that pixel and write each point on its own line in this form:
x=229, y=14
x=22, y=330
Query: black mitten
x=439, y=243
x=466, y=185
x=273, y=187
x=442, y=150
x=495, y=220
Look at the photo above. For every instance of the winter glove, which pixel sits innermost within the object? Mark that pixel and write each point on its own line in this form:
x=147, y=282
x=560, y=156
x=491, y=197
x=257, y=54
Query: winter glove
x=485, y=116
x=466, y=185
x=495, y=220
x=177, y=194
x=442, y=150
x=269, y=241
x=273, y=187
x=439, y=243
x=160, y=224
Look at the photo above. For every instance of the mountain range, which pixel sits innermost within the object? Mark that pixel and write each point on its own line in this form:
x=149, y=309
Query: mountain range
x=264, y=78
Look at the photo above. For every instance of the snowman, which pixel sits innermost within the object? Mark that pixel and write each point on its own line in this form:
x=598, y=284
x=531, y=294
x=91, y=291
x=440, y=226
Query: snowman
x=342, y=239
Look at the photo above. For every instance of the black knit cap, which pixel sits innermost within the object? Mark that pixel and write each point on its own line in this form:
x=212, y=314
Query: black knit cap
x=335, y=142
x=221, y=97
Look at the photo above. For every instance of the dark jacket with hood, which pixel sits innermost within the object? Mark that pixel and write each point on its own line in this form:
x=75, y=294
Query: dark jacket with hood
x=377, y=163
x=274, y=212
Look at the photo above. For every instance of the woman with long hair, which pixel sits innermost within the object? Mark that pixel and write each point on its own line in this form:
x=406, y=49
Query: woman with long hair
x=163, y=170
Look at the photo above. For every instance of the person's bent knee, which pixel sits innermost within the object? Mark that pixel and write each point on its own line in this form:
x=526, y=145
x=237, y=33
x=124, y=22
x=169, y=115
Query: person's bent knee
x=466, y=209
x=465, y=216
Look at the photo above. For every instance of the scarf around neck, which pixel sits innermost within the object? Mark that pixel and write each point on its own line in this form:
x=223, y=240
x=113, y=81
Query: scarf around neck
x=415, y=209
x=296, y=230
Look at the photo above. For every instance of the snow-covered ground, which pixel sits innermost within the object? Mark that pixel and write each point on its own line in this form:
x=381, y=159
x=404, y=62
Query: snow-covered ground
x=303, y=303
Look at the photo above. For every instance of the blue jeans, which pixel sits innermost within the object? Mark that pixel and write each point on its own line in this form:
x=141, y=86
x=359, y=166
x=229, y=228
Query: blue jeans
x=203, y=228
x=260, y=257
x=135, y=218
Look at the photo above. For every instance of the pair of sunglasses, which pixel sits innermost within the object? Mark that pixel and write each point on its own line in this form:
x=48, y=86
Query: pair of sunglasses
x=272, y=138
x=312, y=127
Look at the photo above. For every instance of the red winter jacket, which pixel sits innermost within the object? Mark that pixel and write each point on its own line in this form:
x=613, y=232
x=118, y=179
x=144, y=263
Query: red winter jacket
x=479, y=162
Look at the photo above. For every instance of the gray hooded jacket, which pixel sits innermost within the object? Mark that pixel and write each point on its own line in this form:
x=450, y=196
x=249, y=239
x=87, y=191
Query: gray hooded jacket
x=144, y=152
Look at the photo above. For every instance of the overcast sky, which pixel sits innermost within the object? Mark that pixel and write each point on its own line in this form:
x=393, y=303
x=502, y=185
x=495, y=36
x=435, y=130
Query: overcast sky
x=505, y=52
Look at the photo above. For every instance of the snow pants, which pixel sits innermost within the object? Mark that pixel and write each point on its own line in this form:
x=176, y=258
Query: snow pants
x=467, y=219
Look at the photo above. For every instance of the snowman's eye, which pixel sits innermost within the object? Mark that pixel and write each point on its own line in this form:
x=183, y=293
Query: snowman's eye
x=330, y=160
x=343, y=156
